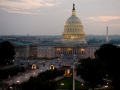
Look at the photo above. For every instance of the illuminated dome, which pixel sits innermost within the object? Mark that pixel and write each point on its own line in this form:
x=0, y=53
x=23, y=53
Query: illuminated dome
x=73, y=20
x=73, y=30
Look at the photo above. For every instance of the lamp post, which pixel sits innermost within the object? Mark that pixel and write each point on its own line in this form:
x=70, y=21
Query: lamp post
x=59, y=63
x=34, y=74
x=73, y=79
x=26, y=78
x=11, y=87
x=13, y=62
x=18, y=82
x=62, y=84
x=28, y=62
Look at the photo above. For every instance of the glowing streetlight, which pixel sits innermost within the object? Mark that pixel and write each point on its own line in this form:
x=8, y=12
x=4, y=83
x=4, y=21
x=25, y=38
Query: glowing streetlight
x=62, y=84
x=26, y=78
x=10, y=87
x=18, y=82
x=106, y=86
x=106, y=75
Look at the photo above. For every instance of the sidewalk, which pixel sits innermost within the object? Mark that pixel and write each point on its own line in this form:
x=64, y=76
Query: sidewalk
x=18, y=75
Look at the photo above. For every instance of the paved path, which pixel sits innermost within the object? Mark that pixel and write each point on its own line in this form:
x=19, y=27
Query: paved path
x=25, y=76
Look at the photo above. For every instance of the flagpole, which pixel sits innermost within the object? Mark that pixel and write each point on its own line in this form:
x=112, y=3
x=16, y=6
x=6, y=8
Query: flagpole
x=73, y=79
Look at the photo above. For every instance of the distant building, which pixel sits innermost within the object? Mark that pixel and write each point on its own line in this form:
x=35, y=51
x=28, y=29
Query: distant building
x=73, y=44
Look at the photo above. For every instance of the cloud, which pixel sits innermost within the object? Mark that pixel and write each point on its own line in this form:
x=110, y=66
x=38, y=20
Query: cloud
x=26, y=6
x=115, y=25
x=104, y=18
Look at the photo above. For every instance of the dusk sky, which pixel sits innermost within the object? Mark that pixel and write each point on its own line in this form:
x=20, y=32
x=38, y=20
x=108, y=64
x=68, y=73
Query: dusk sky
x=48, y=17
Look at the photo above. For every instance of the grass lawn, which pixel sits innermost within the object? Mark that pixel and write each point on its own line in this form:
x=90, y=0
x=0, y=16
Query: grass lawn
x=68, y=82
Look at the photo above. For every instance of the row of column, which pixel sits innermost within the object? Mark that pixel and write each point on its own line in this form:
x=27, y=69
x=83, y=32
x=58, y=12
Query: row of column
x=73, y=36
x=66, y=50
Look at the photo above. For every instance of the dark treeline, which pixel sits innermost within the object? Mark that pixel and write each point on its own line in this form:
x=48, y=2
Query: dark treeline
x=105, y=65
x=43, y=81
x=7, y=52
x=10, y=72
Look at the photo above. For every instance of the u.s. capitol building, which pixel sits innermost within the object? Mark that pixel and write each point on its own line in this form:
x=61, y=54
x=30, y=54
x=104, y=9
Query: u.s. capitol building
x=73, y=43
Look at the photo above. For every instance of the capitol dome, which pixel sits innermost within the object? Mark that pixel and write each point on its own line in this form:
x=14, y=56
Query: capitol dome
x=73, y=20
x=73, y=30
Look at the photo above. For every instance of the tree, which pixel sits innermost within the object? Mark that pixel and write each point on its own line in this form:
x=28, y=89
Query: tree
x=110, y=54
x=116, y=82
x=90, y=71
x=7, y=52
x=3, y=86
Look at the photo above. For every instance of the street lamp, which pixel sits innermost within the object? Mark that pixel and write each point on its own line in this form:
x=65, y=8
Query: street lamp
x=28, y=62
x=18, y=82
x=11, y=87
x=106, y=86
x=34, y=73
x=59, y=64
x=13, y=62
x=26, y=78
x=62, y=84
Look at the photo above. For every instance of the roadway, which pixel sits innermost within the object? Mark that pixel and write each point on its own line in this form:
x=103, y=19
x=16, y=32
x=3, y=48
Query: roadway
x=26, y=75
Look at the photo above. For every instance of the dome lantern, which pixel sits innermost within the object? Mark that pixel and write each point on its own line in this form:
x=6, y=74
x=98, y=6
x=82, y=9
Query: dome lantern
x=73, y=10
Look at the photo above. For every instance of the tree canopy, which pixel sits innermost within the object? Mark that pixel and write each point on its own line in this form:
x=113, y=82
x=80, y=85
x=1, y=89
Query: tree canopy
x=7, y=52
x=110, y=54
x=90, y=72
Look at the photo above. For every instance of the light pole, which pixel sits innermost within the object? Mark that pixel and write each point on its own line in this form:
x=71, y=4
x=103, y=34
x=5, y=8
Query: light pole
x=28, y=62
x=13, y=62
x=59, y=63
x=73, y=79
x=26, y=78
x=18, y=82
x=62, y=84
x=34, y=74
